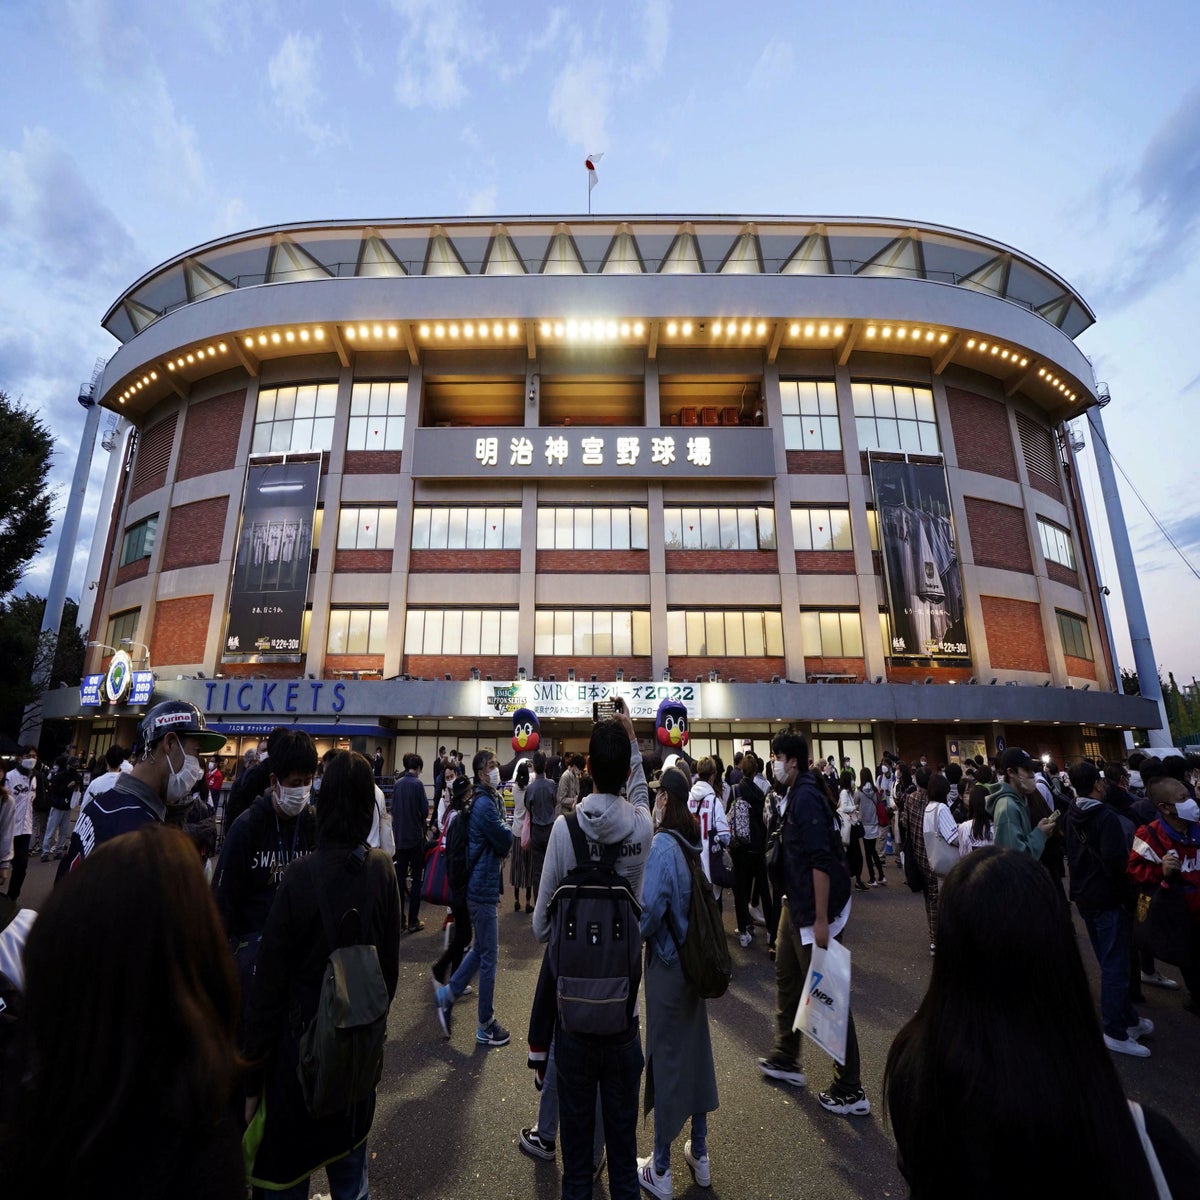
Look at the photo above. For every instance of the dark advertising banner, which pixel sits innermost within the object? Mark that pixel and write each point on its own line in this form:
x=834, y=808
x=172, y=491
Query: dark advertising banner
x=274, y=553
x=920, y=558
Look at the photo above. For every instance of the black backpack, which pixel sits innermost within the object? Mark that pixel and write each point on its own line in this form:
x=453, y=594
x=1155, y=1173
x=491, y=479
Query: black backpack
x=458, y=843
x=595, y=941
x=704, y=952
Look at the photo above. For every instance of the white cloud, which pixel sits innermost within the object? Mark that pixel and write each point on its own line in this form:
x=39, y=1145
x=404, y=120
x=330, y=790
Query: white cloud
x=292, y=74
x=579, y=102
x=482, y=202
x=775, y=68
x=439, y=39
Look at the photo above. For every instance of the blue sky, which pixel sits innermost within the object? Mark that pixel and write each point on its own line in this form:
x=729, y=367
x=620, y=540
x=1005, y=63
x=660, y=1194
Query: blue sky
x=132, y=131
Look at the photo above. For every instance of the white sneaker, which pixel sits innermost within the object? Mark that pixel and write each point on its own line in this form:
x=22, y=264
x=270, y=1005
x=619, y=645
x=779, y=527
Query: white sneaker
x=1128, y=1046
x=649, y=1180
x=756, y=915
x=1143, y=1028
x=744, y=939
x=701, y=1171
x=1158, y=979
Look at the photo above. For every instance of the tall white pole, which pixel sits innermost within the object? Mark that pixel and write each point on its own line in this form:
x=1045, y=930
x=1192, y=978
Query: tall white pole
x=1135, y=611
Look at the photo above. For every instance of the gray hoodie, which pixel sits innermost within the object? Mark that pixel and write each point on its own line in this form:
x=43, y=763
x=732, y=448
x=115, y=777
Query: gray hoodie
x=604, y=819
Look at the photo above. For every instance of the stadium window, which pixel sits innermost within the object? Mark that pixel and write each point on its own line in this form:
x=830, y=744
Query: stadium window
x=377, y=416
x=725, y=633
x=831, y=634
x=139, y=540
x=821, y=528
x=895, y=417
x=1076, y=641
x=810, y=414
x=288, y=419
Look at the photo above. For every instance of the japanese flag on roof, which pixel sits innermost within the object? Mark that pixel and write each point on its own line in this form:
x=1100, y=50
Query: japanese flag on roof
x=591, y=161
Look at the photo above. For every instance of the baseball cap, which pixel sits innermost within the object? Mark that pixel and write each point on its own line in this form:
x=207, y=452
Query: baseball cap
x=1015, y=758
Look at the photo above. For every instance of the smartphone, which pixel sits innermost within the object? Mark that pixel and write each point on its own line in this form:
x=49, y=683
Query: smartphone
x=604, y=710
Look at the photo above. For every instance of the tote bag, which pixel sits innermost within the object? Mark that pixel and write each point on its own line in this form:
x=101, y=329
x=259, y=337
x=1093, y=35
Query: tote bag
x=435, y=887
x=824, y=1011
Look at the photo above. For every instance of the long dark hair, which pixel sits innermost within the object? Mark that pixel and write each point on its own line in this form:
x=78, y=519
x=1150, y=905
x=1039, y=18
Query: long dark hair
x=981, y=823
x=346, y=801
x=1005, y=1051
x=130, y=1023
x=675, y=785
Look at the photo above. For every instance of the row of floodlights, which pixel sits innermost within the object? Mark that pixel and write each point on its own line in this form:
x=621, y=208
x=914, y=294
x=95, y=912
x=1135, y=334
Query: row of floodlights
x=1002, y=352
x=902, y=333
x=1054, y=381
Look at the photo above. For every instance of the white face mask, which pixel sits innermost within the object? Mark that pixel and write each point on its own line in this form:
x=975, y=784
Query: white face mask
x=181, y=781
x=1188, y=810
x=493, y=777
x=779, y=770
x=29, y=763
x=292, y=801
x=316, y=784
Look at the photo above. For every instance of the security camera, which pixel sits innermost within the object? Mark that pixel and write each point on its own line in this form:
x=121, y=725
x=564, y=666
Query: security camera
x=1105, y=591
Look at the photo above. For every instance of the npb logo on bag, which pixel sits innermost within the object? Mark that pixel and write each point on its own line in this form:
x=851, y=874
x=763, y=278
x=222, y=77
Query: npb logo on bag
x=824, y=1012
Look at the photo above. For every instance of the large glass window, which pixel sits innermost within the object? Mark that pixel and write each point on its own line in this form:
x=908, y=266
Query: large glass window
x=367, y=528
x=831, y=634
x=592, y=529
x=821, y=528
x=139, y=540
x=294, y=418
x=810, y=415
x=461, y=631
x=728, y=633
x=357, y=631
x=573, y=631
x=120, y=627
x=377, y=416
x=1076, y=641
x=719, y=528
x=466, y=528
x=1056, y=544
x=895, y=417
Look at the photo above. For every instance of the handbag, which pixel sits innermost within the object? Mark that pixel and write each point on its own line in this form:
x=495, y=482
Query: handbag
x=435, y=886
x=720, y=863
x=526, y=830
x=1162, y=925
x=941, y=854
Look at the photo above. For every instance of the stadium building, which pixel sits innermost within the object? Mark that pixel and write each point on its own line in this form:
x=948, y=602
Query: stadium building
x=391, y=481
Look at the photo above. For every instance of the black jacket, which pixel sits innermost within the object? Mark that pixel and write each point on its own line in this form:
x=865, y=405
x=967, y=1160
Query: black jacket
x=257, y=851
x=291, y=967
x=749, y=791
x=812, y=841
x=1097, y=851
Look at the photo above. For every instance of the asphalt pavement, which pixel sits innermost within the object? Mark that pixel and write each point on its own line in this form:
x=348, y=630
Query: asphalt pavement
x=449, y=1113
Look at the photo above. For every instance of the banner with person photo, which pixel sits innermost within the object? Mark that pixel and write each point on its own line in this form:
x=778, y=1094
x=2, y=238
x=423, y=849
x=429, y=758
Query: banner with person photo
x=274, y=555
x=920, y=560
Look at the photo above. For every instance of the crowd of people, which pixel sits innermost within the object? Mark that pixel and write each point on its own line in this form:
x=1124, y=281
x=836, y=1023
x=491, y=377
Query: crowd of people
x=249, y=954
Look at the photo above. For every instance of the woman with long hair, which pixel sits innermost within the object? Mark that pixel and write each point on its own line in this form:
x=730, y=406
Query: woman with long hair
x=749, y=853
x=990, y=1098
x=852, y=829
x=130, y=1053
x=681, y=1080
x=912, y=830
x=521, y=870
x=461, y=937
x=866, y=797
x=346, y=887
x=976, y=830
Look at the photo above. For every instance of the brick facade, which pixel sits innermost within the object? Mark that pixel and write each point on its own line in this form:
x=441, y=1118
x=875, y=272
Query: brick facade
x=1014, y=634
x=814, y=462
x=152, y=458
x=999, y=537
x=180, y=630
x=458, y=666
x=132, y=570
x=269, y=670
x=836, y=666
x=362, y=561
x=599, y=562
x=982, y=436
x=477, y=562
x=194, y=534
x=825, y=562
x=1061, y=574
x=725, y=562
x=337, y=666
x=1082, y=668
x=898, y=673
x=739, y=669
x=210, y=435
x=603, y=667
x=372, y=462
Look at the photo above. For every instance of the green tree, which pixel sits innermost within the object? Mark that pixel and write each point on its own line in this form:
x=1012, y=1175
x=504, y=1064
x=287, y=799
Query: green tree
x=26, y=445
x=22, y=650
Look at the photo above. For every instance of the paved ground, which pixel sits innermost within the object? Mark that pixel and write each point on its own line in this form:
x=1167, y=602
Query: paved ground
x=448, y=1114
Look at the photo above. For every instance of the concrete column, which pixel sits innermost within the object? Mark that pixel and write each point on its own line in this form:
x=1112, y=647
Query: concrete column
x=527, y=616
x=785, y=545
x=393, y=654
x=656, y=539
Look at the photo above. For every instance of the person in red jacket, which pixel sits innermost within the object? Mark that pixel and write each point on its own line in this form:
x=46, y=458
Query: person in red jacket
x=1166, y=853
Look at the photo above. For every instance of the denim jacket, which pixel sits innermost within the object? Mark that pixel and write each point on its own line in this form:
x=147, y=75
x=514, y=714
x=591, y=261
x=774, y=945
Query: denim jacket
x=667, y=883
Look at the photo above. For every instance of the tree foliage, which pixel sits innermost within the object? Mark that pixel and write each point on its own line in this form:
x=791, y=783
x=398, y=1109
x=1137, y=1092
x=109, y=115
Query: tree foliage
x=23, y=650
x=26, y=445
x=1183, y=706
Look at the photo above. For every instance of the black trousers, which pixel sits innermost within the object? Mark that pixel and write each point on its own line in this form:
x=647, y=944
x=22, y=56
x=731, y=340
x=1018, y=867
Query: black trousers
x=750, y=873
x=413, y=858
x=20, y=864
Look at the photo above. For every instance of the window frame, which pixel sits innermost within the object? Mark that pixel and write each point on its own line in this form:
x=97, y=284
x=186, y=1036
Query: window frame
x=820, y=404
x=444, y=631
x=384, y=521
x=1078, y=635
x=368, y=623
x=838, y=631
x=620, y=526
x=717, y=524
x=879, y=402
x=111, y=630
x=145, y=532
x=814, y=513
x=691, y=633
x=456, y=526
x=286, y=401
x=384, y=400
x=591, y=632
x=1055, y=539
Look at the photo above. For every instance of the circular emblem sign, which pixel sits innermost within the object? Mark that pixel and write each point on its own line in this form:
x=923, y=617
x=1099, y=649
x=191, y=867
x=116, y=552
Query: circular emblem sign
x=118, y=677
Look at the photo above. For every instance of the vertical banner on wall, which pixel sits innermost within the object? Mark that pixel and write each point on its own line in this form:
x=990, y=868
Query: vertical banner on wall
x=920, y=560
x=274, y=553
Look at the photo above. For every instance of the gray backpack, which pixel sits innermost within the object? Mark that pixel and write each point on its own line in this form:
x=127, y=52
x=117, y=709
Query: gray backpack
x=341, y=1051
x=595, y=941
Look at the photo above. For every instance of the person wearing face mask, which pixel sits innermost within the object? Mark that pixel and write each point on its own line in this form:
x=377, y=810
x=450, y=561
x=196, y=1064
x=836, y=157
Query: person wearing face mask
x=278, y=827
x=1008, y=805
x=166, y=766
x=1166, y=854
x=489, y=840
x=22, y=783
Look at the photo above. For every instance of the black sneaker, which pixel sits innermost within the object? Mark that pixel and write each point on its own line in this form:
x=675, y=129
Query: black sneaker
x=854, y=1104
x=781, y=1068
x=532, y=1143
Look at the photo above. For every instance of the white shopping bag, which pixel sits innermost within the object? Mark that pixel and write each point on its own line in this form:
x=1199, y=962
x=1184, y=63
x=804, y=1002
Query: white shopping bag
x=824, y=1012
